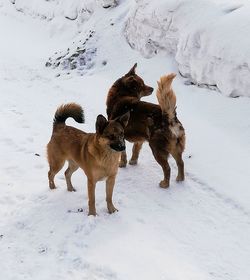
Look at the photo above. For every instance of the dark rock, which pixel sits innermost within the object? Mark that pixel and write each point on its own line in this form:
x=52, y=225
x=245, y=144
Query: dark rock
x=48, y=64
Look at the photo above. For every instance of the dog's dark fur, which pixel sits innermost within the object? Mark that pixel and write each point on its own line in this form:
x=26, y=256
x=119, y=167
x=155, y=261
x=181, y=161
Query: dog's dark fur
x=97, y=154
x=128, y=90
x=148, y=122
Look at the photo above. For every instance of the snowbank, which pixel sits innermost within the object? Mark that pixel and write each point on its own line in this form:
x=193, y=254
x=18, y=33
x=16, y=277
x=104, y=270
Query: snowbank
x=198, y=33
x=208, y=38
x=70, y=9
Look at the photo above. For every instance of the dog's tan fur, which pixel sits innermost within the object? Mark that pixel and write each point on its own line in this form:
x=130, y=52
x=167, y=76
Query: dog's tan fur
x=166, y=96
x=91, y=152
x=157, y=124
x=167, y=101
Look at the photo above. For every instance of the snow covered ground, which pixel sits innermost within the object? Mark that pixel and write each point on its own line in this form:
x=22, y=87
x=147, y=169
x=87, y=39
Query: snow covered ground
x=199, y=229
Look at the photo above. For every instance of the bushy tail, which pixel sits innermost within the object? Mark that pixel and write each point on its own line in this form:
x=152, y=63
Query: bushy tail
x=65, y=111
x=167, y=101
x=166, y=96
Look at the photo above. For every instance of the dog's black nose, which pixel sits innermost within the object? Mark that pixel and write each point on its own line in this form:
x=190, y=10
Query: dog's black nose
x=119, y=147
x=122, y=147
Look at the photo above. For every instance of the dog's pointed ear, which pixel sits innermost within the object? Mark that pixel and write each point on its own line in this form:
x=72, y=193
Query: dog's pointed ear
x=101, y=123
x=132, y=70
x=123, y=120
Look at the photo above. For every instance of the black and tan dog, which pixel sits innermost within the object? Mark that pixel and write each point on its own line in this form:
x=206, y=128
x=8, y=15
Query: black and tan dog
x=157, y=124
x=98, y=154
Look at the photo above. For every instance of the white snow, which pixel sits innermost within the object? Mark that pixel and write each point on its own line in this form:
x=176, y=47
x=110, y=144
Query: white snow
x=199, y=229
x=208, y=38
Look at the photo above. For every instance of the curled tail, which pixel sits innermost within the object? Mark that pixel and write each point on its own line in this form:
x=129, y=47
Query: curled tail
x=166, y=96
x=65, y=111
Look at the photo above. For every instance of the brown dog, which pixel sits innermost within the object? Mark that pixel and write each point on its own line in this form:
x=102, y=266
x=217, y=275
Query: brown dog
x=157, y=124
x=97, y=153
x=128, y=90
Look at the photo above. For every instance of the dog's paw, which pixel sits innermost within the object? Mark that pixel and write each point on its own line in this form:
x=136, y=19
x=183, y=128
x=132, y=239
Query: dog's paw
x=72, y=189
x=164, y=184
x=133, y=162
x=92, y=213
x=180, y=178
x=122, y=164
x=112, y=209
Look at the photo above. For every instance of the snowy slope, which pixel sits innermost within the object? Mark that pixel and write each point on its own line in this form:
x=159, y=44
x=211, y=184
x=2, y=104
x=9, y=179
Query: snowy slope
x=199, y=229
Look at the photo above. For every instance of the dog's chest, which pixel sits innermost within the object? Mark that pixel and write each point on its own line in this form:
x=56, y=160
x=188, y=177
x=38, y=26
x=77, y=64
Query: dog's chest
x=106, y=167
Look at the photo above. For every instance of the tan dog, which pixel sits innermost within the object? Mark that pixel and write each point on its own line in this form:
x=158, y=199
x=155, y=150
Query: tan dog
x=98, y=154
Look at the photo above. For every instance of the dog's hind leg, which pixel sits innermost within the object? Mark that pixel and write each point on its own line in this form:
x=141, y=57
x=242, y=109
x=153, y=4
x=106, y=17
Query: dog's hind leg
x=123, y=160
x=161, y=156
x=180, y=164
x=110, y=182
x=135, y=153
x=55, y=167
x=68, y=173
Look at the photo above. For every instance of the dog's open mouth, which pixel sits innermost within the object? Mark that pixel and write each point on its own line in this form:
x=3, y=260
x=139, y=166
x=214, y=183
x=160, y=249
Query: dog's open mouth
x=117, y=147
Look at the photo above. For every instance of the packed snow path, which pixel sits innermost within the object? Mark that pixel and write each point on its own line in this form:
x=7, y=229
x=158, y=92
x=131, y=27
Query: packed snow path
x=199, y=229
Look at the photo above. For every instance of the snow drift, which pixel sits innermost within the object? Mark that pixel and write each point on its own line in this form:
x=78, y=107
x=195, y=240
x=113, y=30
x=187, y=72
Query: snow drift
x=209, y=39
x=70, y=9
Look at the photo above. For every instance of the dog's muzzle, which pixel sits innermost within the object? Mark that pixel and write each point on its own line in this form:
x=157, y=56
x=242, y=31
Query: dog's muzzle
x=147, y=91
x=118, y=147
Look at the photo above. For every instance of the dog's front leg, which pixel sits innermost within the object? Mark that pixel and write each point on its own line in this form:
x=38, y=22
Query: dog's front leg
x=136, y=151
x=123, y=161
x=110, y=182
x=91, y=195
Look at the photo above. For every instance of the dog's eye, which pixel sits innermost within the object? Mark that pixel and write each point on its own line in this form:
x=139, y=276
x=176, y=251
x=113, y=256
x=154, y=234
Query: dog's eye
x=111, y=137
